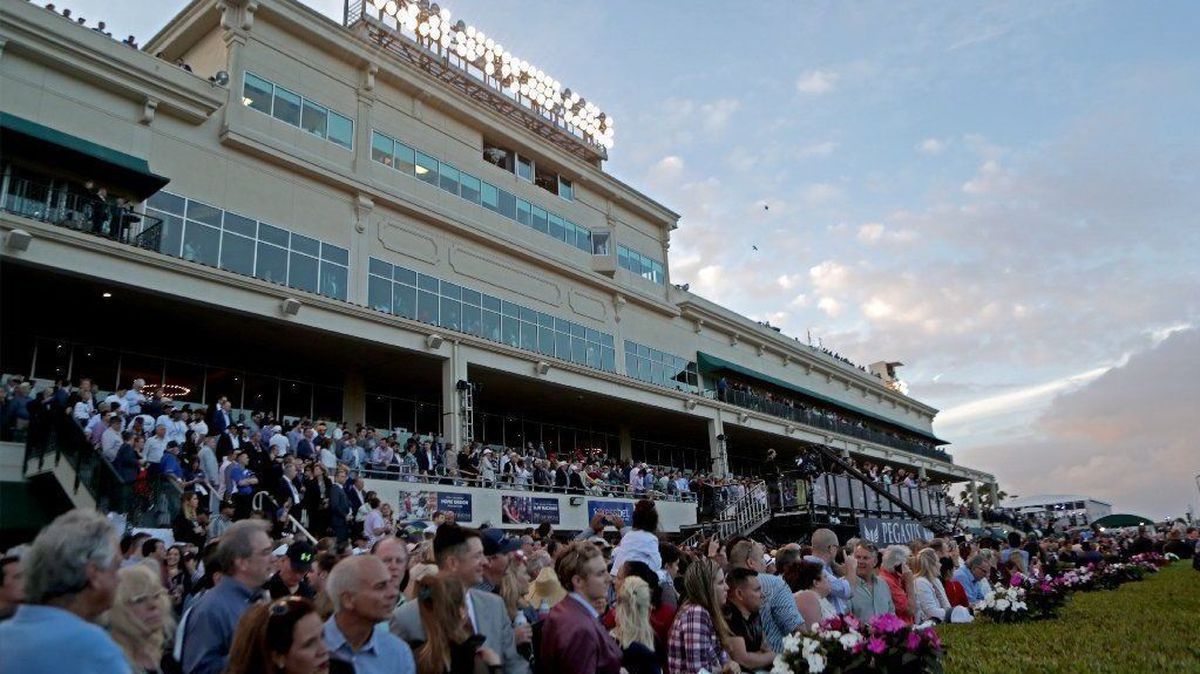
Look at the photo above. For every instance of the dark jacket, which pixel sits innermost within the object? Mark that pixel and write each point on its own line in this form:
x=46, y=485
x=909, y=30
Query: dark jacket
x=127, y=463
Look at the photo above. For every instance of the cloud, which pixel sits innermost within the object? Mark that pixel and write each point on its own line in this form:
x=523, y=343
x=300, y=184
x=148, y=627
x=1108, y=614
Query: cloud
x=816, y=194
x=715, y=116
x=816, y=81
x=830, y=306
x=872, y=233
x=931, y=146
x=990, y=179
x=829, y=275
x=667, y=169
x=817, y=149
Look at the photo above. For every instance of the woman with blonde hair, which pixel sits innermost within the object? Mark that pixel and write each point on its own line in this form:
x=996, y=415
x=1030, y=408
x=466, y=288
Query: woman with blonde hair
x=699, y=633
x=932, y=602
x=449, y=646
x=141, y=617
x=633, y=631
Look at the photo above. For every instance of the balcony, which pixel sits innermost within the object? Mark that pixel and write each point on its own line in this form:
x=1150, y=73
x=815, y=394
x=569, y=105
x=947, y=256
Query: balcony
x=64, y=204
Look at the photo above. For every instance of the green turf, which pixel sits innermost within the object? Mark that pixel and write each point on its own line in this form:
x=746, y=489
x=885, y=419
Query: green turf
x=1148, y=626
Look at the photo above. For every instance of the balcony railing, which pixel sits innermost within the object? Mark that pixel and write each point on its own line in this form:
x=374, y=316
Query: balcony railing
x=599, y=488
x=62, y=206
x=816, y=419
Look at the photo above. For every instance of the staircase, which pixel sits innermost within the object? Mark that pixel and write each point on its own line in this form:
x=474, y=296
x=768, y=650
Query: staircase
x=739, y=518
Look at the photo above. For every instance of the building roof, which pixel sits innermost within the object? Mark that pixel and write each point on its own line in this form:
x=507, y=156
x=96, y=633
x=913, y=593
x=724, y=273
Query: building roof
x=1044, y=499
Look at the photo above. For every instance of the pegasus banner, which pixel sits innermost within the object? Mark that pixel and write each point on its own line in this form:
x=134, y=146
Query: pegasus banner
x=883, y=532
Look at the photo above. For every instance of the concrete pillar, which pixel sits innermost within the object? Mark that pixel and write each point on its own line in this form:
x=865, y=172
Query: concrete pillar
x=717, y=448
x=354, y=398
x=625, y=436
x=993, y=493
x=454, y=369
x=921, y=472
x=975, y=499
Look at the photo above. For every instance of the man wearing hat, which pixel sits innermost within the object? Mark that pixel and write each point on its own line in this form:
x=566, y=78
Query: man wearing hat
x=291, y=580
x=498, y=549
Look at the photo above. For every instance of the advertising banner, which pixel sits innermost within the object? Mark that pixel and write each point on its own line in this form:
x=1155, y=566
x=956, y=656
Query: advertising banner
x=620, y=509
x=459, y=504
x=883, y=532
x=421, y=505
x=529, y=510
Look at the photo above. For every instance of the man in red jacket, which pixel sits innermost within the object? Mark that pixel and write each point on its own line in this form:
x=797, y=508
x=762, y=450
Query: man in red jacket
x=573, y=639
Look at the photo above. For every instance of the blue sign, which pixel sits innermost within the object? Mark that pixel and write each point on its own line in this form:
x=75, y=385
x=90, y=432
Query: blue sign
x=459, y=504
x=622, y=509
x=529, y=510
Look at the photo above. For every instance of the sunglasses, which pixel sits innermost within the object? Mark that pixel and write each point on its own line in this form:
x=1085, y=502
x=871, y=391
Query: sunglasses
x=285, y=605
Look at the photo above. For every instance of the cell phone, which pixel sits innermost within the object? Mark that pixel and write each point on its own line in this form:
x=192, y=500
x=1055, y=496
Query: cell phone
x=476, y=640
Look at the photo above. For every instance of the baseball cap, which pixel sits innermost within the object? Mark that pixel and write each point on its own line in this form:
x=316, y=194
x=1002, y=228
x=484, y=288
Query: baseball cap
x=496, y=543
x=301, y=554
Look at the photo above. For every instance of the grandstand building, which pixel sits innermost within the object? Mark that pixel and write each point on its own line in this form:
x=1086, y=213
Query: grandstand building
x=363, y=221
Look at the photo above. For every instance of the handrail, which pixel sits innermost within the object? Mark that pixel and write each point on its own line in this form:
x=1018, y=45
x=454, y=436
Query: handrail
x=59, y=205
x=600, y=488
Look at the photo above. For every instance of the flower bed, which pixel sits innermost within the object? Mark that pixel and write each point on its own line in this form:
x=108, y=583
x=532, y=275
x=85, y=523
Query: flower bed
x=844, y=644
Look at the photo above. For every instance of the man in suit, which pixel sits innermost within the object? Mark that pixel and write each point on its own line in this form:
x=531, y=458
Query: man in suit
x=289, y=490
x=459, y=554
x=573, y=638
x=426, y=459
x=221, y=418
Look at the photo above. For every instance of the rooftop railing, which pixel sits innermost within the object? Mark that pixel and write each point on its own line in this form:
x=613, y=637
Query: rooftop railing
x=62, y=205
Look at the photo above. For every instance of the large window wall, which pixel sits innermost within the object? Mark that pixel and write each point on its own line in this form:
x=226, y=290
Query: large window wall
x=209, y=235
x=271, y=99
x=428, y=169
x=660, y=368
x=396, y=290
x=647, y=268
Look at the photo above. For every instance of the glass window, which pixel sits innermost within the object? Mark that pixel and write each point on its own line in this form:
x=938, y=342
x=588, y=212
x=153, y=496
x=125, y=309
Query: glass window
x=302, y=272
x=529, y=336
x=538, y=216
x=657, y=269
x=306, y=245
x=403, y=275
x=295, y=399
x=527, y=314
x=469, y=187
x=547, y=180
x=405, y=158
x=172, y=233
x=274, y=235
x=623, y=257
x=608, y=360
x=272, y=263
x=427, y=307
x=451, y=290
x=562, y=345
x=508, y=205
x=524, y=168
x=470, y=297
x=327, y=401
x=583, y=240
x=578, y=351
x=472, y=320
x=381, y=148
x=53, y=359
x=498, y=156
x=510, y=309
x=557, y=230
x=165, y=201
x=261, y=392
x=257, y=93
x=237, y=254
x=523, y=211
x=333, y=280
x=427, y=168
x=512, y=331
x=566, y=190
x=490, y=197
x=379, y=268
x=240, y=225
x=491, y=325
x=201, y=243
x=451, y=314
x=404, y=301
x=379, y=294
x=546, y=341
x=341, y=130
x=449, y=179
x=287, y=106
x=209, y=215
x=492, y=303
x=599, y=243
x=335, y=254
x=427, y=282
x=314, y=118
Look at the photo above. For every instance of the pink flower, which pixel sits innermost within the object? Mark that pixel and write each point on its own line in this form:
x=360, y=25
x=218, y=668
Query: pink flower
x=887, y=623
x=851, y=622
x=934, y=640
x=876, y=645
x=1015, y=580
x=913, y=642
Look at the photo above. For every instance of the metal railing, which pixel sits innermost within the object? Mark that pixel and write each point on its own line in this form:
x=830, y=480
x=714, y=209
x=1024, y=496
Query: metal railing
x=816, y=419
x=739, y=518
x=61, y=205
x=598, y=488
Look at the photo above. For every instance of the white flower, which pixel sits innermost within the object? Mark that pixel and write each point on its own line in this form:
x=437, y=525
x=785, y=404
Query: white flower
x=990, y=597
x=1019, y=606
x=791, y=643
x=1001, y=604
x=850, y=640
x=811, y=646
x=831, y=634
x=780, y=666
x=816, y=662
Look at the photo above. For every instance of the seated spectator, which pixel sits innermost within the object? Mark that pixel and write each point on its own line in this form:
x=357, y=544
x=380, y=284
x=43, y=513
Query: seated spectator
x=745, y=600
x=971, y=576
x=141, y=618
x=872, y=596
x=899, y=578
x=932, y=602
x=573, y=638
x=70, y=572
x=954, y=589
x=812, y=590
x=699, y=635
x=283, y=637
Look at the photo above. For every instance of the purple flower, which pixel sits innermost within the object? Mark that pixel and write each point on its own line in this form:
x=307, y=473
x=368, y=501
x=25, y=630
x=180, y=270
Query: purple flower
x=887, y=623
x=876, y=645
x=851, y=622
x=1015, y=580
x=913, y=641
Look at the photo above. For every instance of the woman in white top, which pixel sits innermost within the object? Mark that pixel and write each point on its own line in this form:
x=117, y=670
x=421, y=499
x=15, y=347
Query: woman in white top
x=811, y=586
x=932, y=602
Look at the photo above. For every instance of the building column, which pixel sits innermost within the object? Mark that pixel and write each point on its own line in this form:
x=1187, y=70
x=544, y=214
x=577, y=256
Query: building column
x=454, y=370
x=975, y=499
x=993, y=492
x=921, y=473
x=354, y=398
x=717, y=447
x=625, y=436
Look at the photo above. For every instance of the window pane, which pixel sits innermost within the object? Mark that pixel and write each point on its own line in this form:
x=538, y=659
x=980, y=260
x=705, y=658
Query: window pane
x=237, y=254
x=295, y=399
x=508, y=205
x=522, y=211
x=333, y=280
x=404, y=301
x=578, y=351
x=274, y=235
x=512, y=331
x=379, y=294
x=452, y=291
x=472, y=320
x=491, y=325
x=427, y=168
x=306, y=245
x=583, y=240
x=451, y=314
x=608, y=360
x=53, y=359
x=557, y=230
x=470, y=187
x=165, y=201
x=492, y=303
x=381, y=148
x=565, y=189
x=314, y=119
x=379, y=268
x=599, y=243
x=257, y=93
x=99, y=365
x=546, y=341
x=327, y=403
x=341, y=130
x=524, y=168
x=209, y=215
x=490, y=197
x=172, y=233
x=405, y=159
x=427, y=282
x=406, y=276
x=287, y=106
x=201, y=243
x=470, y=297
x=335, y=254
x=427, y=307
x=449, y=179
x=529, y=336
x=302, y=273
x=562, y=345
x=538, y=216
x=271, y=264
x=623, y=257
x=261, y=392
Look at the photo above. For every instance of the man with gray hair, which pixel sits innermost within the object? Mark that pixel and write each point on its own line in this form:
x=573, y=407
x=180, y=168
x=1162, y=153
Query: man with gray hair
x=824, y=549
x=70, y=578
x=971, y=576
x=363, y=596
x=244, y=555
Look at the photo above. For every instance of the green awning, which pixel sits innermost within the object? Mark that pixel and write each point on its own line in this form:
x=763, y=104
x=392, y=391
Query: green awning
x=710, y=363
x=22, y=138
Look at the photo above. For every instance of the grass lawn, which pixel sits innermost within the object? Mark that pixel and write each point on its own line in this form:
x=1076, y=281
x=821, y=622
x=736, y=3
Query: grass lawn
x=1148, y=626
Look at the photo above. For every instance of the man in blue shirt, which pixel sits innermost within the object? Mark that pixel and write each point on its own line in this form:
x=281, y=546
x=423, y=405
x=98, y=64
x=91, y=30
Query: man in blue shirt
x=969, y=576
x=363, y=597
x=244, y=555
x=70, y=578
x=825, y=547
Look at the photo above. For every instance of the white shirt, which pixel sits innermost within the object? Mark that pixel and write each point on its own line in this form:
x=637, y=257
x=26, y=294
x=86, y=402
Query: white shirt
x=155, y=447
x=83, y=410
x=328, y=459
x=177, y=431
x=116, y=403
x=110, y=442
x=280, y=444
x=133, y=401
x=200, y=429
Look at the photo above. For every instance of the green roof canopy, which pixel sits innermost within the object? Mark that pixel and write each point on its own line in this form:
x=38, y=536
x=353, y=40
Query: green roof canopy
x=1122, y=520
x=710, y=363
x=21, y=137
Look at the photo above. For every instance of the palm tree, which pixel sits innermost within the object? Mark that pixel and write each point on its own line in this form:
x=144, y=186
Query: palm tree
x=985, y=497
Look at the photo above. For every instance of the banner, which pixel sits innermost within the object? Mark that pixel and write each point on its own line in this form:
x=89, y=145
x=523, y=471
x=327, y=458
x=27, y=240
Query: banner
x=621, y=509
x=528, y=510
x=459, y=504
x=883, y=532
x=421, y=505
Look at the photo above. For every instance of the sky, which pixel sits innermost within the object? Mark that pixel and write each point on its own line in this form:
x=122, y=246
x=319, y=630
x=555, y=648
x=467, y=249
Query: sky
x=1002, y=196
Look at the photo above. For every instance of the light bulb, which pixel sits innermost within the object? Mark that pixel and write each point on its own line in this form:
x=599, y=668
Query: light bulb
x=461, y=50
x=445, y=14
x=423, y=29
x=489, y=43
x=489, y=68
